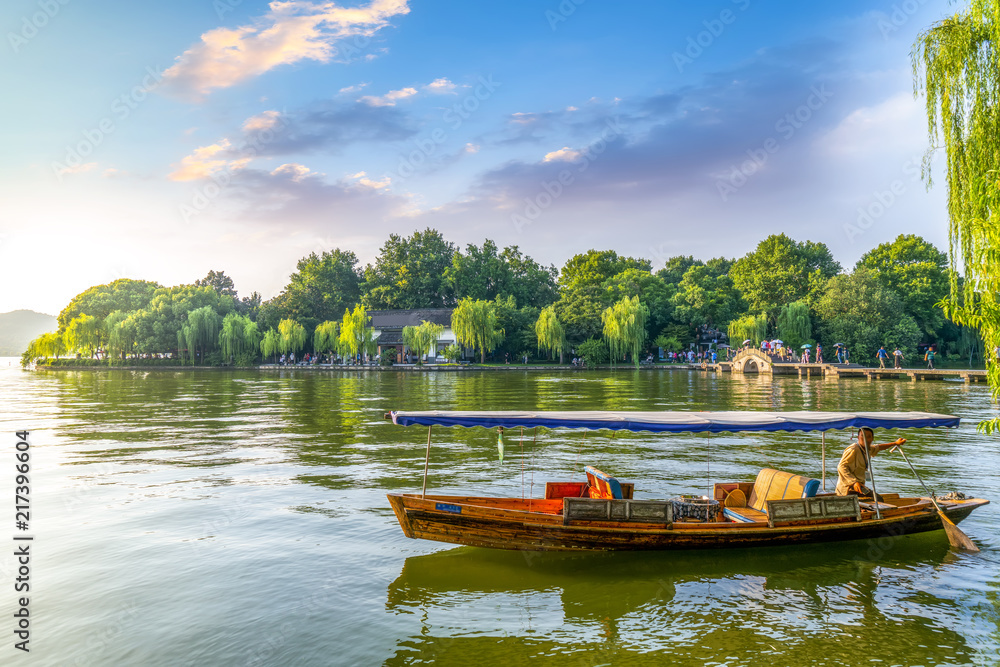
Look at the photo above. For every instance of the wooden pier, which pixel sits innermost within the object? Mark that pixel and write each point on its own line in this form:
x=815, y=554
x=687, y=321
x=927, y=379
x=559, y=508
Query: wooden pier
x=757, y=362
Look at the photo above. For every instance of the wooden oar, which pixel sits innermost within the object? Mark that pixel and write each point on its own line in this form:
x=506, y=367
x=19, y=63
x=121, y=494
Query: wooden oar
x=956, y=537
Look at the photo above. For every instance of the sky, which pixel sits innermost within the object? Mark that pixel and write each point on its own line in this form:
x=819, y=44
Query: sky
x=159, y=141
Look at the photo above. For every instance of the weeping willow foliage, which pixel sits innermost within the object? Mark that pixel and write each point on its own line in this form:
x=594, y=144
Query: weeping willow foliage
x=421, y=339
x=239, y=338
x=325, y=337
x=748, y=327
x=474, y=322
x=293, y=336
x=83, y=334
x=199, y=333
x=355, y=334
x=794, y=324
x=956, y=64
x=625, y=328
x=550, y=332
x=270, y=344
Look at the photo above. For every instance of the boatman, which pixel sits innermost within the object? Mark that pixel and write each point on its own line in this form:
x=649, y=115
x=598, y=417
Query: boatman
x=854, y=464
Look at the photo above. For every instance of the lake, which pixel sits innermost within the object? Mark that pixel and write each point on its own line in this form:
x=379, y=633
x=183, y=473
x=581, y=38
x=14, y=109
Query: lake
x=239, y=518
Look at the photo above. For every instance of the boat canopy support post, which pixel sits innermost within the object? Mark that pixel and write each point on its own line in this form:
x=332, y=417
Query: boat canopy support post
x=824, y=460
x=427, y=458
x=871, y=469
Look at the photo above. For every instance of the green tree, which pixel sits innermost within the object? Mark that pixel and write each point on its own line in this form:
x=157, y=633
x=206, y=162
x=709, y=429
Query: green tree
x=706, y=296
x=625, y=328
x=673, y=272
x=595, y=266
x=422, y=338
x=239, y=339
x=594, y=351
x=200, y=333
x=749, y=327
x=795, y=324
x=293, y=336
x=861, y=312
x=83, y=334
x=270, y=344
x=474, y=322
x=917, y=272
x=550, y=333
x=488, y=274
x=410, y=273
x=319, y=290
x=957, y=65
x=355, y=334
x=220, y=282
x=101, y=300
x=781, y=271
x=325, y=337
x=452, y=352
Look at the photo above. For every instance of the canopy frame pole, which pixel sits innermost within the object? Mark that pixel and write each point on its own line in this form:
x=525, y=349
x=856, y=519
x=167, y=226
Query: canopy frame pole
x=824, y=459
x=709, y=465
x=871, y=468
x=427, y=458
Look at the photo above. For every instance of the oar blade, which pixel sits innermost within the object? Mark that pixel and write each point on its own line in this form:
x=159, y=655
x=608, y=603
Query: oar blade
x=956, y=537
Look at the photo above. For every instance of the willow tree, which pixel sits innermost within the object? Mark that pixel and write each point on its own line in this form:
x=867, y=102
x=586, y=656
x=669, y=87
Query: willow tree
x=550, y=332
x=293, y=336
x=956, y=64
x=201, y=331
x=355, y=334
x=270, y=344
x=474, y=322
x=625, y=328
x=239, y=339
x=420, y=339
x=795, y=324
x=83, y=334
x=748, y=327
x=325, y=337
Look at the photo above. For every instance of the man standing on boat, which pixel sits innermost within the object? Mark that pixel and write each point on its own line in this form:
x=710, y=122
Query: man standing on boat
x=854, y=464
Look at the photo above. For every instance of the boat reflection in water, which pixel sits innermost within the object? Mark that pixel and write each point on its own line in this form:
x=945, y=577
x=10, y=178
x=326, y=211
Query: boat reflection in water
x=792, y=605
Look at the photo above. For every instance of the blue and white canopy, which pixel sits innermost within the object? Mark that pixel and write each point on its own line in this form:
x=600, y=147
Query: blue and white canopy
x=677, y=422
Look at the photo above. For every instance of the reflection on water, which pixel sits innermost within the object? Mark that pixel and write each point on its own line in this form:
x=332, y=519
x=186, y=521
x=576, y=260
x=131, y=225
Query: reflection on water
x=233, y=518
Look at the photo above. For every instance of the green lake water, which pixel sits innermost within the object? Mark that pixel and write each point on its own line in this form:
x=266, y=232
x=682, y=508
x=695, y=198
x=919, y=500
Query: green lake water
x=240, y=518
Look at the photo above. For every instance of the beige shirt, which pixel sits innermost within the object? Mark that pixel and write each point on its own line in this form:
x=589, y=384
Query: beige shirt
x=852, y=467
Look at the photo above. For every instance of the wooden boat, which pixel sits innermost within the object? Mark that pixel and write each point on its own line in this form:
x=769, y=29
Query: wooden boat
x=599, y=513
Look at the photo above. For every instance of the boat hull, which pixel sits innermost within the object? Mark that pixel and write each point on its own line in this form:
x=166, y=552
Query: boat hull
x=536, y=526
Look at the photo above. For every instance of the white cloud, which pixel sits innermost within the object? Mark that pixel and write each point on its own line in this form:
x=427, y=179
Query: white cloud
x=205, y=161
x=262, y=121
x=296, y=171
x=441, y=87
x=289, y=32
x=564, y=154
x=352, y=89
x=389, y=99
x=363, y=179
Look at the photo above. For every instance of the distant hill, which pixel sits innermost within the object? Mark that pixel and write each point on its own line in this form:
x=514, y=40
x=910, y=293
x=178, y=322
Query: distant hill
x=18, y=327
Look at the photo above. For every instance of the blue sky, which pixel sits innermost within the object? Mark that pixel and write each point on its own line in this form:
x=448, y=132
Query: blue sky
x=161, y=140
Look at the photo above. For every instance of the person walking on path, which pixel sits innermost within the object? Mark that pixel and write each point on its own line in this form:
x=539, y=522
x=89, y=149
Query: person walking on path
x=898, y=356
x=805, y=356
x=882, y=356
x=929, y=358
x=819, y=353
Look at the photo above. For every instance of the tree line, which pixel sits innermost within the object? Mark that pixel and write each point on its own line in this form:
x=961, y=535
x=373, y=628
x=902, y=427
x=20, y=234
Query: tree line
x=598, y=305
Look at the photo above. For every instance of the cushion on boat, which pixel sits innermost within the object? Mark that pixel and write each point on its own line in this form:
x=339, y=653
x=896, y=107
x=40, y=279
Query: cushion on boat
x=603, y=485
x=745, y=514
x=777, y=485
